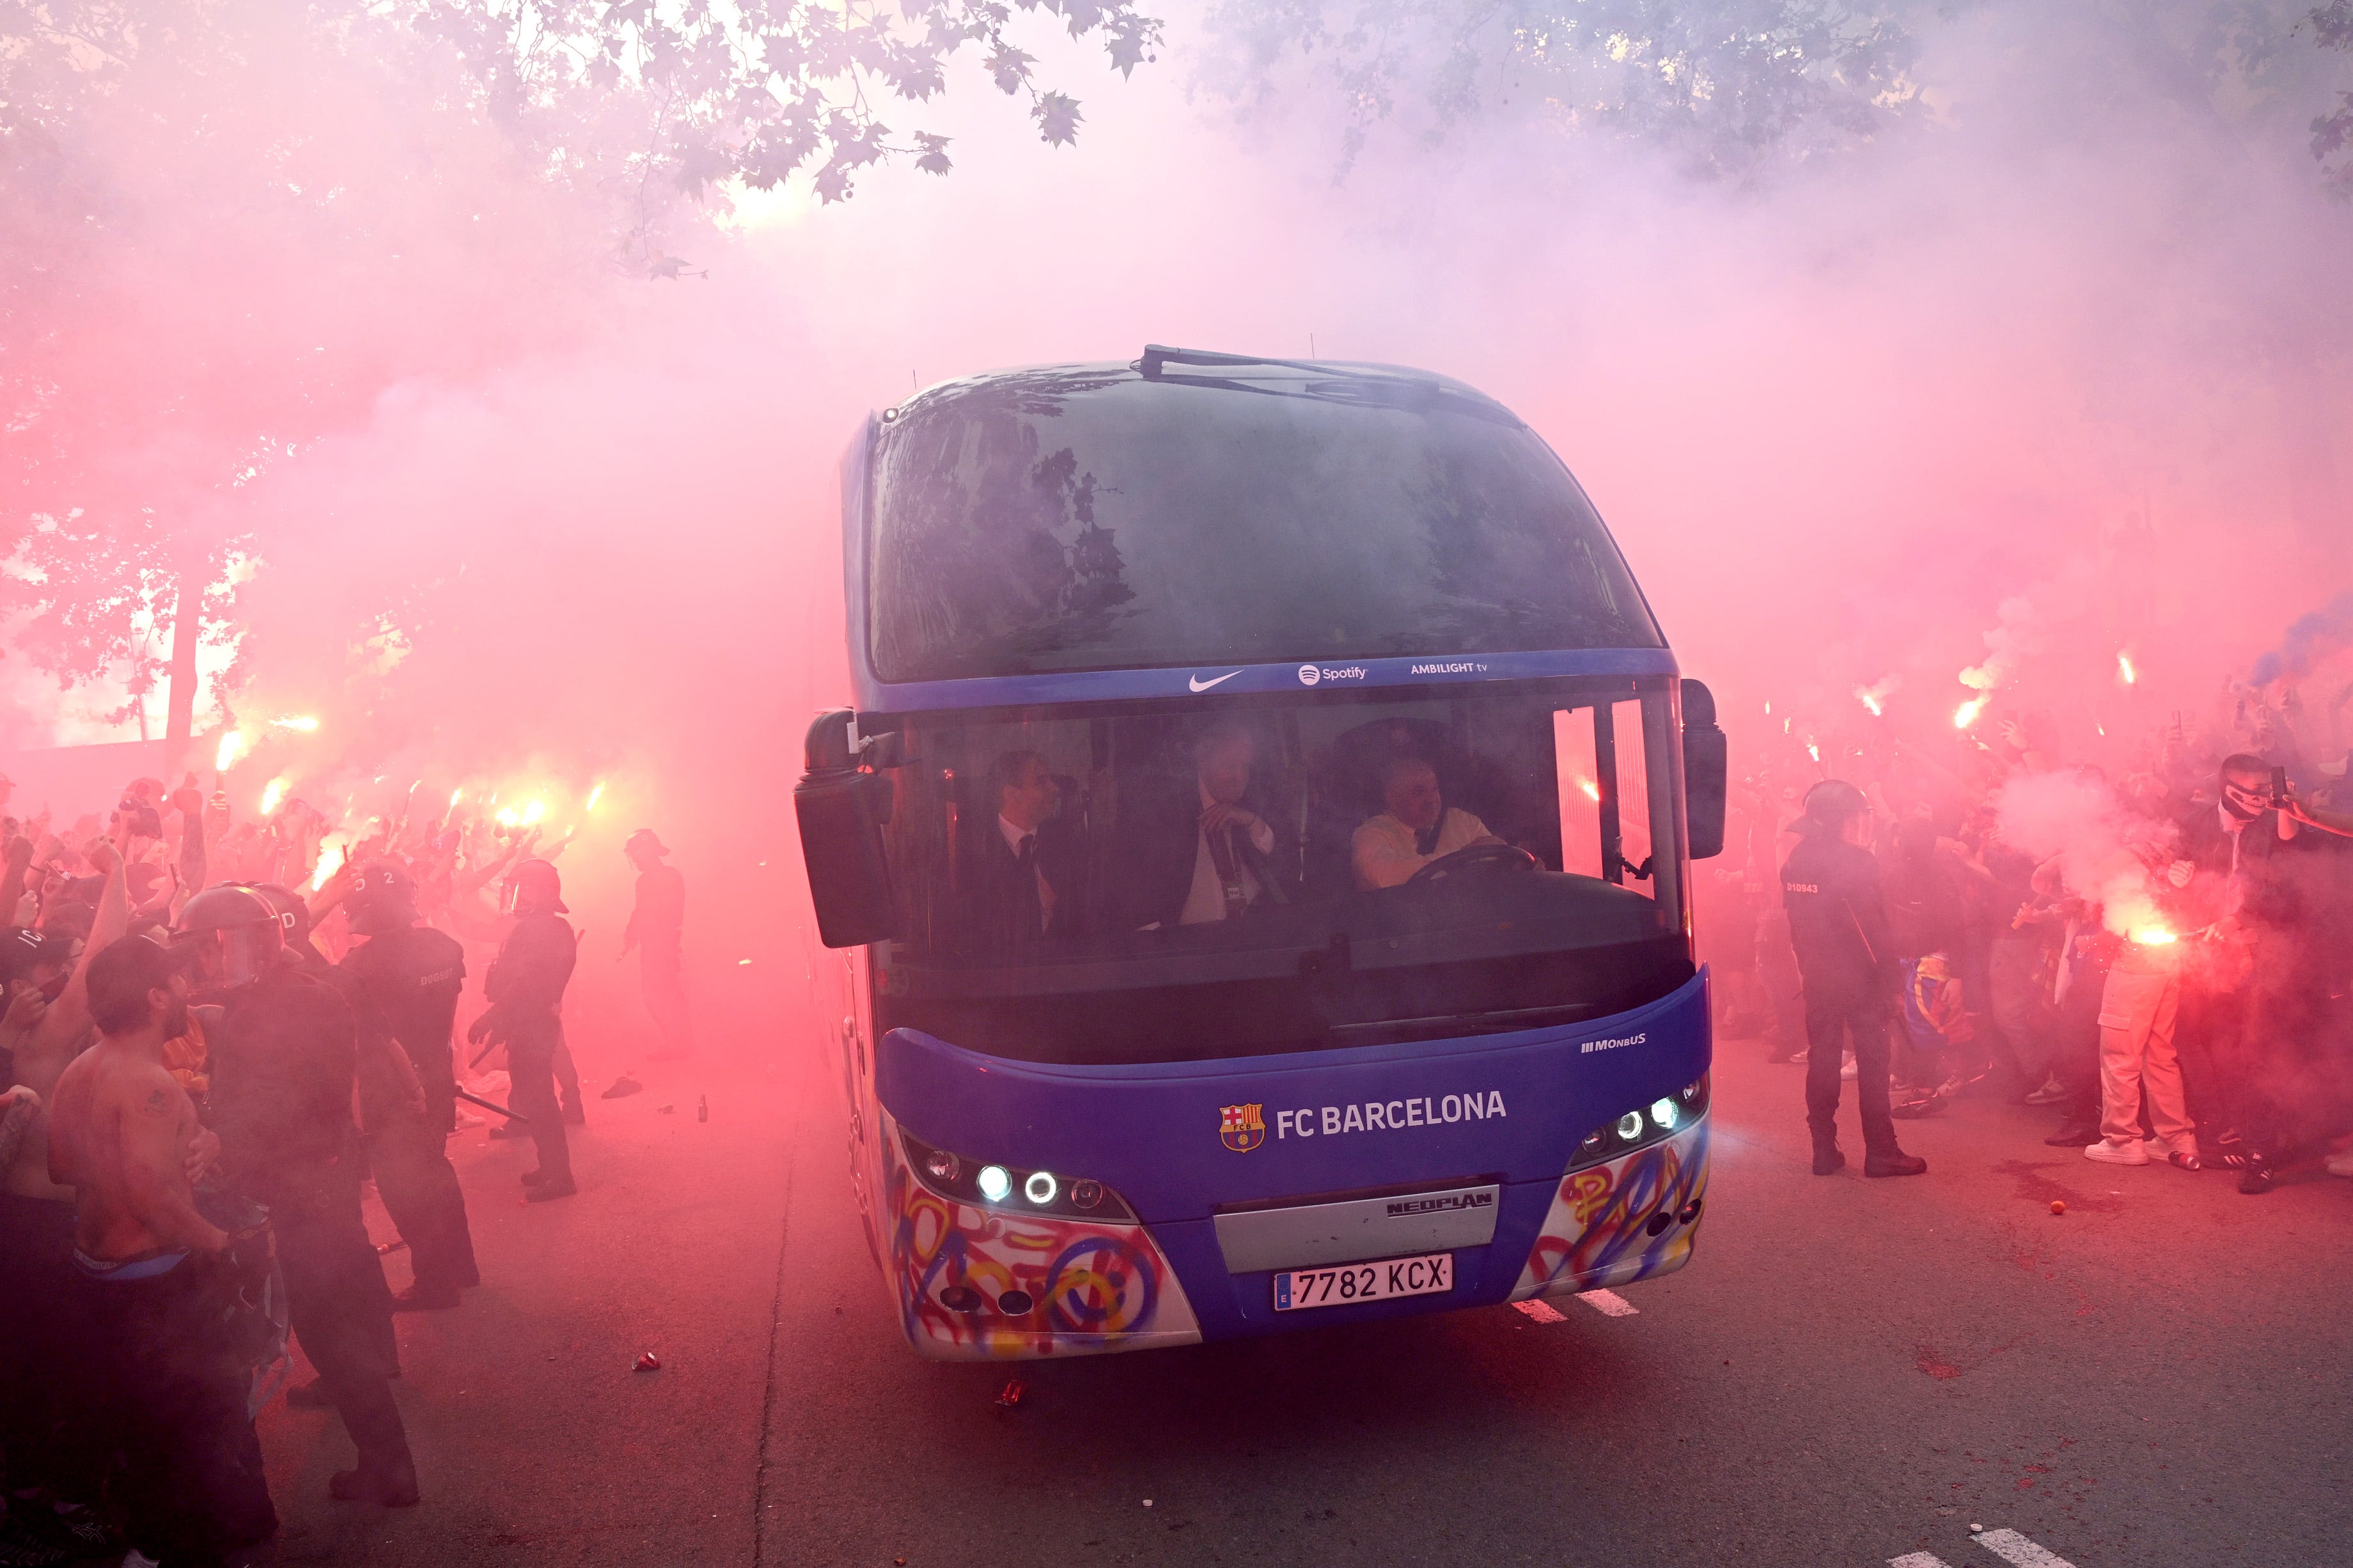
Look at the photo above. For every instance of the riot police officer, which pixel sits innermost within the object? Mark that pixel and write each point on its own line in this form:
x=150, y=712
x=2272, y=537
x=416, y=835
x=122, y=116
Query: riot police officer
x=406, y=977
x=1846, y=953
x=525, y=986
x=283, y=1047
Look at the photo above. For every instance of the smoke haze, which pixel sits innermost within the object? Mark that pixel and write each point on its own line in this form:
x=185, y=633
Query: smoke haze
x=2055, y=373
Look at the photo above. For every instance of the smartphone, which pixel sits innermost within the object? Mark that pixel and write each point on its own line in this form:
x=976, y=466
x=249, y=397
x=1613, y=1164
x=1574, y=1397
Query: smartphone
x=2279, y=788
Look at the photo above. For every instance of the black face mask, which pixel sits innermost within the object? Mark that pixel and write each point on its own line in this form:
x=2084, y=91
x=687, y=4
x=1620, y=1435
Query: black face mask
x=2231, y=804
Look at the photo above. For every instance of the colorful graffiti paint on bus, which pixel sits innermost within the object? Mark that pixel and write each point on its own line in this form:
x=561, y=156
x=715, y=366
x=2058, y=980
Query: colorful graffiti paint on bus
x=1605, y=1225
x=975, y=1283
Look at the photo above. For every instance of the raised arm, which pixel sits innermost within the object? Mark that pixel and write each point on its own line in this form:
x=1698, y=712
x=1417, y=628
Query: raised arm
x=2336, y=822
x=14, y=895
x=69, y=1016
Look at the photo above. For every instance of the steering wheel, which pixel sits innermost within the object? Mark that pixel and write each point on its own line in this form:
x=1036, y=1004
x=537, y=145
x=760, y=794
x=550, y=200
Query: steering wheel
x=1496, y=857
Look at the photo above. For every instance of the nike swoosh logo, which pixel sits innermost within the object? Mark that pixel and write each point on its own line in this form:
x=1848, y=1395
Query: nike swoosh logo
x=1198, y=684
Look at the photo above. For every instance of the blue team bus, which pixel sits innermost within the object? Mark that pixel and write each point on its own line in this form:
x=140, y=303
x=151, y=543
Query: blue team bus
x=1260, y=854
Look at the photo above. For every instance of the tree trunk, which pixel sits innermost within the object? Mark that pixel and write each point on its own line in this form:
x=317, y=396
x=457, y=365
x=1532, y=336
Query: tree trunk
x=187, y=626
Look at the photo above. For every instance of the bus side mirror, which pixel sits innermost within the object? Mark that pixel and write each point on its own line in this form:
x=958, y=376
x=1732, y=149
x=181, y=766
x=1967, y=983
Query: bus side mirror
x=841, y=809
x=1706, y=771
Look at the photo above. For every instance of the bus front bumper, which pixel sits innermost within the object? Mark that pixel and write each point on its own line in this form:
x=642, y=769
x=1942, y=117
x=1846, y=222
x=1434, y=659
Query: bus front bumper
x=976, y=1280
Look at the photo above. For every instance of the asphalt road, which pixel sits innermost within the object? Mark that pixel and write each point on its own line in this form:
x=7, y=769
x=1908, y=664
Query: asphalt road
x=1851, y=1372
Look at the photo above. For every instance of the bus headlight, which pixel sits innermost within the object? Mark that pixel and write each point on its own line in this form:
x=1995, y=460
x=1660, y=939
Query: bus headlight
x=1010, y=1188
x=1661, y=1118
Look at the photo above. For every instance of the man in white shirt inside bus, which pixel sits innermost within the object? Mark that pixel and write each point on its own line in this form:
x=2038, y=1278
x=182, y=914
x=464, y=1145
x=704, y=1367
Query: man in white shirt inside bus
x=1417, y=828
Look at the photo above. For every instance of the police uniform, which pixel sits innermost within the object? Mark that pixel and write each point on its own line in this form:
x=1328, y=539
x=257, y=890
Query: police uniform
x=283, y=1059
x=525, y=986
x=405, y=982
x=1837, y=924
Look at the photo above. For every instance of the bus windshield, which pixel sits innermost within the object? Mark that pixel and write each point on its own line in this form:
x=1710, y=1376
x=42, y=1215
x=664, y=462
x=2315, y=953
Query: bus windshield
x=1321, y=870
x=1086, y=519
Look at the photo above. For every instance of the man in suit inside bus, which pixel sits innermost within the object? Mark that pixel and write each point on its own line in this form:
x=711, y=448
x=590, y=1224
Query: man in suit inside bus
x=1024, y=879
x=1208, y=853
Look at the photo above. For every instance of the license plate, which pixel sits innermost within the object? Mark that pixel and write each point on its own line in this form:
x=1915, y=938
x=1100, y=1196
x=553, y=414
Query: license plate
x=1427, y=1275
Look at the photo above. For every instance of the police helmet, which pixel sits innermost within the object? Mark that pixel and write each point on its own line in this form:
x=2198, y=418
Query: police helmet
x=1829, y=806
x=533, y=887
x=292, y=910
x=234, y=933
x=382, y=898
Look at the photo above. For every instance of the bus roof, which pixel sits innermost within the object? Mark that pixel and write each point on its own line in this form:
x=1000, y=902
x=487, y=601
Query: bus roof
x=1193, y=520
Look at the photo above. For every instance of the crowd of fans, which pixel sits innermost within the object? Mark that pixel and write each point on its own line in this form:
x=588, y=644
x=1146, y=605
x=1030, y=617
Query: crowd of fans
x=213, y=1033
x=2164, y=961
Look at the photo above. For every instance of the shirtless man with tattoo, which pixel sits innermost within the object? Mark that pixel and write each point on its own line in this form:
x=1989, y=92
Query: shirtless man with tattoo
x=124, y=1135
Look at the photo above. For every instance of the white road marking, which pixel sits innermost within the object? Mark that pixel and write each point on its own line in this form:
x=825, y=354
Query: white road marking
x=2019, y=1552
x=1918, y=1560
x=1541, y=1312
x=1610, y=1304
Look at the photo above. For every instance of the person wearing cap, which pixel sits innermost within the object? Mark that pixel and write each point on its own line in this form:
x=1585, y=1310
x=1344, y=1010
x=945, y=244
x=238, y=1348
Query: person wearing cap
x=284, y=1057
x=525, y=986
x=1846, y=953
x=655, y=923
x=406, y=977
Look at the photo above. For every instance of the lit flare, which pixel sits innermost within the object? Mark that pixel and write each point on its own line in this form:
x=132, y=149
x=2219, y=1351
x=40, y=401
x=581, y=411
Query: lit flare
x=302, y=721
x=272, y=794
x=232, y=746
x=2125, y=670
x=1967, y=713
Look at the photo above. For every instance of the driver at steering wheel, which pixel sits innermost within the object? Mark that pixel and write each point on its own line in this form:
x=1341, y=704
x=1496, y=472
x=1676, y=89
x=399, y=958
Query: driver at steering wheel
x=1417, y=828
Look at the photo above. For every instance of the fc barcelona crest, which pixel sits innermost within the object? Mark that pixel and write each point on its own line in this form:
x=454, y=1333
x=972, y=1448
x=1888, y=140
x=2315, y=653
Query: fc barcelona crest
x=1242, y=1128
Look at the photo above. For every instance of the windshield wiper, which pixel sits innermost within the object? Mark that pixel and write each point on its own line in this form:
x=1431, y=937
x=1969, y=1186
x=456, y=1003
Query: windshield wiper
x=1156, y=356
x=1332, y=383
